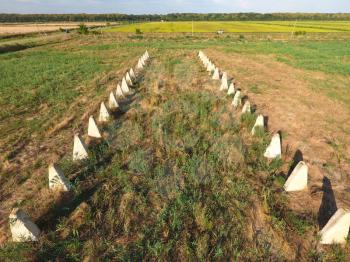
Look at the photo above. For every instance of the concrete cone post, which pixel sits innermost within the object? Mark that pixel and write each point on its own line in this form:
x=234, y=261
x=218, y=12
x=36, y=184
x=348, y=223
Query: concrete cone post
x=224, y=85
x=246, y=107
x=297, y=181
x=112, y=101
x=79, y=149
x=57, y=180
x=231, y=89
x=139, y=65
x=93, y=130
x=119, y=92
x=274, y=149
x=216, y=75
x=259, y=123
x=125, y=87
x=128, y=79
x=22, y=227
x=132, y=73
x=337, y=229
x=237, y=100
x=104, y=114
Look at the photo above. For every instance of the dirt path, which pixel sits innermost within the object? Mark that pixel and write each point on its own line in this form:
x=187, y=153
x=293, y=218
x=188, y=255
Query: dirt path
x=310, y=121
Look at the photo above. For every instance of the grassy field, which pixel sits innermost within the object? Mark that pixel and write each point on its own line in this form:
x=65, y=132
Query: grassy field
x=177, y=177
x=235, y=27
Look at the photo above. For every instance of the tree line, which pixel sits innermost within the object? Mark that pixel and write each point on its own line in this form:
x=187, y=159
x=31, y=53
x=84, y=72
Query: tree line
x=20, y=18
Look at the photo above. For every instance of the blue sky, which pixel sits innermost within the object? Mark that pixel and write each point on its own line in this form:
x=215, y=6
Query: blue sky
x=171, y=6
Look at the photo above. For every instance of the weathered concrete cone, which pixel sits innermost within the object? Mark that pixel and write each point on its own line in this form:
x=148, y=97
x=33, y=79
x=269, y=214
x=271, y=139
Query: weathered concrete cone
x=205, y=62
x=224, y=84
x=112, y=101
x=216, y=75
x=209, y=67
x=231, y=89
x=274, y=149
x=139, y=64
x=337, y=229
x=132, y=73
x=22, y=227
x=79, y=149
x=143, y=62
x=224, y=75
x=104, y=114
x=246, y=107
x=237, y=101
x=125, y=87
x=297, y=181
x=128, y=79
x=119, y=92
x=57, y=180
x=147, y=54
x=259, y=123
x=93, y=130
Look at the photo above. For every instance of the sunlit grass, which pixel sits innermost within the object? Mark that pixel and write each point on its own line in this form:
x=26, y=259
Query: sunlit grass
x=233, y=27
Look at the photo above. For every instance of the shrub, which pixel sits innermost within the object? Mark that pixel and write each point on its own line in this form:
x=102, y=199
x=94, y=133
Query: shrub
x=83, y=29
x=138, y=31
x=299, y=33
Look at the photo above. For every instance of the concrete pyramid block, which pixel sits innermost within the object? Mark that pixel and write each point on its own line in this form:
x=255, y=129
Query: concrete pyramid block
x=119, y=92
x=22, y=227
x=224, y=76
x=231, y=89
x=112, y=101
x=104, y=114
x=259, y=123
x=57, y=180
x=128, y=79
x=224, y=84
x=209, y=67
x=147, y=54
x=139, y=64
x=246, y=107
x=143, y=62
x=216, y=75
x=237, y=100
x=93, y=130
x=125, y=87
x=337, y=229
x=132, y=73
x=297, y=181
x=274, y=149
x=79, y=149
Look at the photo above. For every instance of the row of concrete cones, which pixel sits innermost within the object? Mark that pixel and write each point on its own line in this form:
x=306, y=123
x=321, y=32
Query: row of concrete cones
x=22, y=227
x=337, y=228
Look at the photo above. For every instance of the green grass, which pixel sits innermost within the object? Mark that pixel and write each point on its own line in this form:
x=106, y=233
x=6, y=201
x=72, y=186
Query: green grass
x=326, y=56
x=233, y=27
x=176, y=178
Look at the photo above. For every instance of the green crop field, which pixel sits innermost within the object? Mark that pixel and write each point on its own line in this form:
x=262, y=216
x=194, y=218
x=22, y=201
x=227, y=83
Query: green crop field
x=177, y=174
x=235, y=27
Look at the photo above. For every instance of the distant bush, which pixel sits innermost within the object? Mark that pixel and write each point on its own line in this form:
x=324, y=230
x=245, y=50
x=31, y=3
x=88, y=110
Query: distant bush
x=299, y=33
x=138, y=31
x=83, y=29
x=241, y=37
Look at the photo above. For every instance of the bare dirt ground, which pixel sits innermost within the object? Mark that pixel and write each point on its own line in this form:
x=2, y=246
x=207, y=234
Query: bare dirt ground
x=314, y=127
x=16, y=29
